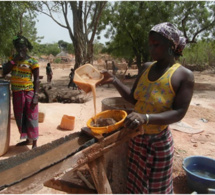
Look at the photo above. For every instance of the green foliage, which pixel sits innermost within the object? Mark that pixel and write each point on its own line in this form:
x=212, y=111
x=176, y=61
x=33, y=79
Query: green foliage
x=200, y=54
x=46, y=49
x=70, y=48
x=15, y=17
x=131, y=22
x=67, y=47
x=81, y=19
x=196, y=19
x=57, y=60
x=97, y=47
x=62, y=45
x=7, y=27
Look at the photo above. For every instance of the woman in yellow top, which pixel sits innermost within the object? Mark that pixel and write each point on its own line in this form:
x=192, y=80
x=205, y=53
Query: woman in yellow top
x=25, y=90
x=161, y=95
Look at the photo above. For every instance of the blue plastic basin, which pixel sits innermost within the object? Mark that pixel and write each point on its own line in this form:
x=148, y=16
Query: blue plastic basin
x=200, y=172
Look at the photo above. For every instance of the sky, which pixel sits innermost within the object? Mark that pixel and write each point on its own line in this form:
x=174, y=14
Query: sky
x=52, y=32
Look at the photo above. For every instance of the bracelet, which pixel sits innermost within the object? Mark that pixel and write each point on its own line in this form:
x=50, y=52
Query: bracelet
x=12, y=62
x=35, y=93
x=147, y=119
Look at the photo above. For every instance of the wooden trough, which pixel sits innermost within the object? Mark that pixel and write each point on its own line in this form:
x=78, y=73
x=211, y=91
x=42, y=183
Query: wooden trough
x=27, y=172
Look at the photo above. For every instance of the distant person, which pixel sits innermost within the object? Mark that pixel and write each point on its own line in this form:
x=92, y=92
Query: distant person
x=71, y=82
x=24, y=90
x=114, y=68
x=49, y=73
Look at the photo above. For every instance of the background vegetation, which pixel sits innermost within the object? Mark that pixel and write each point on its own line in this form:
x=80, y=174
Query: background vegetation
x=126, y=24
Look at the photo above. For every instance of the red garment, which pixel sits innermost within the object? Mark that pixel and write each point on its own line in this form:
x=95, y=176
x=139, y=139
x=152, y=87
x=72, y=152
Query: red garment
x=26, y=117
x=150, y=164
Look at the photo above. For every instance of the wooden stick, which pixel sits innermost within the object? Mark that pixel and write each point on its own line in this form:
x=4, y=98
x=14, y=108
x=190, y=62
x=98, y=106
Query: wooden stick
x=99, y=176
x=85, y=180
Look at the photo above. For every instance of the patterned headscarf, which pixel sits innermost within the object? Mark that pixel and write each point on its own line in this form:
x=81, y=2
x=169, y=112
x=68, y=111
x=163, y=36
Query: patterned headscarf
x=170, y=32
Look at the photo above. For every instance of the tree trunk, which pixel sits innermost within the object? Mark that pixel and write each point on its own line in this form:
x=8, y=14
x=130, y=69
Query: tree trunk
x=138, y=57
x=79, y=41
x=81, y=12
x=79, y=58
x=89, y=57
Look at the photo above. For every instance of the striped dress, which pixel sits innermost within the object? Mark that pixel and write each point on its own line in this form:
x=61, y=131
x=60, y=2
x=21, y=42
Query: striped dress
x=23, y=92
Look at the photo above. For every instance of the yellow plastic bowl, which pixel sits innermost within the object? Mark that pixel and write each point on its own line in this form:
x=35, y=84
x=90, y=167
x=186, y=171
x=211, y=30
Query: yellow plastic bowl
x=118, y=115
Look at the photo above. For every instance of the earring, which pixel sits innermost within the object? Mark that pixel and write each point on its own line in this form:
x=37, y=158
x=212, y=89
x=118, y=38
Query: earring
x=170, y=52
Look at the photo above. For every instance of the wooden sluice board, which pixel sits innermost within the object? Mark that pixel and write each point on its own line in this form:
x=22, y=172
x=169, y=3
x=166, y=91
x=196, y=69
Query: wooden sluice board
x=26, y=172
x=24, y=165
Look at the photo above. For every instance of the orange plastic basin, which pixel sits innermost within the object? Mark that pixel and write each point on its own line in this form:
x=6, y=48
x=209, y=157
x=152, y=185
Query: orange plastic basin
x=67, y=122
x=118, y=115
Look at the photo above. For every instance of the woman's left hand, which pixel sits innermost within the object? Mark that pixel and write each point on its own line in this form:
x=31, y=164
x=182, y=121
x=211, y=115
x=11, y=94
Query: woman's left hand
x=34, y=101
x=134, y=120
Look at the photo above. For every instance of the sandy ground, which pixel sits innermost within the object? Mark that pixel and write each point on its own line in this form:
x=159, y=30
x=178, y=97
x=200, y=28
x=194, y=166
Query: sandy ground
x=196, y=137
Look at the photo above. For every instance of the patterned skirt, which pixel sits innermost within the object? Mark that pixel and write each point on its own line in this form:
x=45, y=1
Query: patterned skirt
x=26, y=117
x=150, y=163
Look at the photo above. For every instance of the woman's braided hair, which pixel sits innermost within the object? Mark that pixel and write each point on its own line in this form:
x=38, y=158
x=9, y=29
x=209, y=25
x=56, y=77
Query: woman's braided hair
x=21, y=39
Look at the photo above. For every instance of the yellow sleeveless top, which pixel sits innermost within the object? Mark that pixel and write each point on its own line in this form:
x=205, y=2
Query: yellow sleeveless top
x=155, y=96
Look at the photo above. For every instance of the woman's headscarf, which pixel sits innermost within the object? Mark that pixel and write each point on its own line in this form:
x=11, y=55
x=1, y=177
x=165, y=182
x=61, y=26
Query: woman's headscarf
x=22, y=40
x=170, y=32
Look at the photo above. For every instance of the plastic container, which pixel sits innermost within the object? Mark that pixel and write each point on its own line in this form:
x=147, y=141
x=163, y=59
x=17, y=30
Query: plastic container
x=41, y=117
x=200, y=172
x=67, y=122
x=118, y=115
x=117, y=103
x=4, y=116
x=87, y=74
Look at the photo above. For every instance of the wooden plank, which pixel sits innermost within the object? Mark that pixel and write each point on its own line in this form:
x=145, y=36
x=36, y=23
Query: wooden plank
x=99, y=176
x=69, y=188
x=87, y=131
x=16, y=168
x=35, y=182
x=38, y=177
x=84, y=179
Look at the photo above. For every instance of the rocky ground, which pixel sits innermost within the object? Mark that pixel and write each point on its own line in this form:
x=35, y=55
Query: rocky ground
x=195, y=134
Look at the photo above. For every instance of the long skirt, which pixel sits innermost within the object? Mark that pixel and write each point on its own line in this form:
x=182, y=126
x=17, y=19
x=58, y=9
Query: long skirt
x=26, y=117
x=49, y=78
x=150, y=163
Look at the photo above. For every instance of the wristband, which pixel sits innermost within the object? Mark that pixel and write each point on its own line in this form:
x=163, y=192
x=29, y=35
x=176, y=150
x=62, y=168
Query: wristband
x=12, y=62
x=147, y=119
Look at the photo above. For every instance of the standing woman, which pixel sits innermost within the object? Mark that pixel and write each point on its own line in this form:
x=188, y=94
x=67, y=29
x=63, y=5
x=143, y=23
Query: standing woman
x=25, y=91
x=161, y=95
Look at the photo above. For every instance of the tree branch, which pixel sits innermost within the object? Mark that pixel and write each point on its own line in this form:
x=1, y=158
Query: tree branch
x=199, y=31
x=50, y=15
x=184, y=20
x=65, y=11
x=96, y=21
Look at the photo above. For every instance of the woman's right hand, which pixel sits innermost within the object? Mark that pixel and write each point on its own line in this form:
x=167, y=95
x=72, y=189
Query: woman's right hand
x=108, y=78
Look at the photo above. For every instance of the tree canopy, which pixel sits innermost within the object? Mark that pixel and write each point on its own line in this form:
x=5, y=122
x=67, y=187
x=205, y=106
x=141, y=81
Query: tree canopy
x=81, y=19
x=16, y=18
x=196, y=19
x=130, y=23
x=127, y=23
